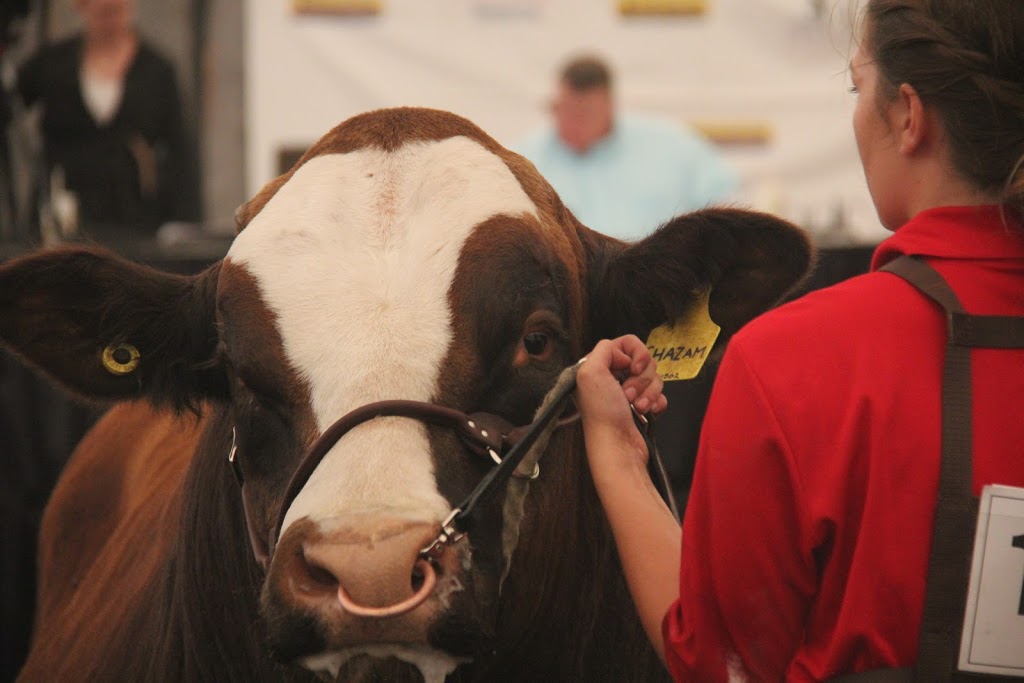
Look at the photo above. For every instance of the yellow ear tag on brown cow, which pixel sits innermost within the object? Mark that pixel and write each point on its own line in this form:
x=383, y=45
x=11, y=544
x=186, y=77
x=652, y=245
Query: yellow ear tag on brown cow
x=120, y=359
x=681, y=348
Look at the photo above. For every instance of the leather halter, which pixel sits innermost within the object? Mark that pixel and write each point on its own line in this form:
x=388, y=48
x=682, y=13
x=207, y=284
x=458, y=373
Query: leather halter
x=484, y=434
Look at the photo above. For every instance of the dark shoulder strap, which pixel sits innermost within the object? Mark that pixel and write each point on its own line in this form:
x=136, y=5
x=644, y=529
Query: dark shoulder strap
x=975, y=331
x=956, y=507
x=988, y=331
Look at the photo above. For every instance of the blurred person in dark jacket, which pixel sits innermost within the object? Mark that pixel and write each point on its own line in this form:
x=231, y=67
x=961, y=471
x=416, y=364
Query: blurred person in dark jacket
x=112, y=124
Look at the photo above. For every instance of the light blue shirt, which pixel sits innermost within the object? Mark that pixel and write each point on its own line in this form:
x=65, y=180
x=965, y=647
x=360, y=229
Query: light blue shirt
x=645, y=172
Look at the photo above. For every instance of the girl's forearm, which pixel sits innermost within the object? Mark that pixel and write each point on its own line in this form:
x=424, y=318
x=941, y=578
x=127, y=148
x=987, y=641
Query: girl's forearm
x=646, y=534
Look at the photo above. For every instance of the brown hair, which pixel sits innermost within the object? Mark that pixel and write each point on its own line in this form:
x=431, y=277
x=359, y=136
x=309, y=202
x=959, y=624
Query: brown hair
x=586, y=73
x=966, y=59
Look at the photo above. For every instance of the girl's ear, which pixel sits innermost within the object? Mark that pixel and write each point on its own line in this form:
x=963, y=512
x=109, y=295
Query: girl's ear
x=913, y=123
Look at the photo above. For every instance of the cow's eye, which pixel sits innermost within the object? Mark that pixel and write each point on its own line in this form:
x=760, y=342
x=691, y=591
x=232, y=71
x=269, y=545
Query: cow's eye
x=538, y=340
x=536, y=343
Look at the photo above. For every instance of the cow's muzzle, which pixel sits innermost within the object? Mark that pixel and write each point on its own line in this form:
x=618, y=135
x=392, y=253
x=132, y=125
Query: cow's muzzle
x=364, y=581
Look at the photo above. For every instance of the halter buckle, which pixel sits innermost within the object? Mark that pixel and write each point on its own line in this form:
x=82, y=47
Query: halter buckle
x=531, y=475
x=447, y=534
x=233, y=458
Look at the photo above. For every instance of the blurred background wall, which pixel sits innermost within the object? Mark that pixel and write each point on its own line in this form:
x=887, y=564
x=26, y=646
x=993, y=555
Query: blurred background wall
x=262, y=80
x=771, y=69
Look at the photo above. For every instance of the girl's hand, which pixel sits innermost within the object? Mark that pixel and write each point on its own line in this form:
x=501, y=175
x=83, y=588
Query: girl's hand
x=615, y=374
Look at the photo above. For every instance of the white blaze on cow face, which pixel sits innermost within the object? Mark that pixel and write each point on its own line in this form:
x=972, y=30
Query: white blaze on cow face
x=355, y=255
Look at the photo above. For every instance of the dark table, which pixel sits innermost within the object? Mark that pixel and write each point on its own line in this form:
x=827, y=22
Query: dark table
x=40, y=425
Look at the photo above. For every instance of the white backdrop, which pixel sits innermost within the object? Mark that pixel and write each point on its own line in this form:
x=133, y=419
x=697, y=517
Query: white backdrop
x=493, y=61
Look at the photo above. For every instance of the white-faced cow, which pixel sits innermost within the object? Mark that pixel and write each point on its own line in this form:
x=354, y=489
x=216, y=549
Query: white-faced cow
x=407, y=256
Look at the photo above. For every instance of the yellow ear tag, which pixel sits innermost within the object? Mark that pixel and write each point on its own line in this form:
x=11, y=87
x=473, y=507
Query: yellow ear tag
x=680, y=349
x=120, y=359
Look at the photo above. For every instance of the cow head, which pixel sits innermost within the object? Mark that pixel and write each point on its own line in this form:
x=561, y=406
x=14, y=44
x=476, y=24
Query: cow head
x=406, y=256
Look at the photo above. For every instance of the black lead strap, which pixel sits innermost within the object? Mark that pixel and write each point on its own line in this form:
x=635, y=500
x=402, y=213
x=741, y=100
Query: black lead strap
x=460, y=519
x=499, y=476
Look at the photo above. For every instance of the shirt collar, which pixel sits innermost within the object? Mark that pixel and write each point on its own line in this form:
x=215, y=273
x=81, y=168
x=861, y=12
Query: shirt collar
x=959, y=232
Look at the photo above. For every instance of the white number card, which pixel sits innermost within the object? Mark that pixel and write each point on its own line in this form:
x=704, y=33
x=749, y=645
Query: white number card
x=993, y=636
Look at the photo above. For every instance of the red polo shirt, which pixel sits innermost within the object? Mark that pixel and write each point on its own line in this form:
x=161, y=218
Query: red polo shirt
x=807, y=533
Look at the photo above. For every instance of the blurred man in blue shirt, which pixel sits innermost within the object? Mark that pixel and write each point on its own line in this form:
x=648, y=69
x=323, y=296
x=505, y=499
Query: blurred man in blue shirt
x=621, y=174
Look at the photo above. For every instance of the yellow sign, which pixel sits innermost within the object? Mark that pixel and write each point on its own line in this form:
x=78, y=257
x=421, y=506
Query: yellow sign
x=336, y=6
x=664, y=7
x=736, y=132
x=681, y=348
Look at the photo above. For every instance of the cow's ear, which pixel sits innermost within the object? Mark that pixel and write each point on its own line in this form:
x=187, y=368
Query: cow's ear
x=750, y=261
x=80, y=315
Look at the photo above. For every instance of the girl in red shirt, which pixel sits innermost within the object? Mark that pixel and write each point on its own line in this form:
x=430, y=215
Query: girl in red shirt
x=804, y=548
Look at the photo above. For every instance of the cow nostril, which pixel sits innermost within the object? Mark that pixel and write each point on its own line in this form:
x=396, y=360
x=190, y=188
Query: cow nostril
x=369, y=575
x=418, y=577
x=318, y=576
x=322, y=576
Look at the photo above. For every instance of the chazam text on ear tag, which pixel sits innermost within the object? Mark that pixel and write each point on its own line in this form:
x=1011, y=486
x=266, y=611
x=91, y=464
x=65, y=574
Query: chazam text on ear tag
x=681, y=348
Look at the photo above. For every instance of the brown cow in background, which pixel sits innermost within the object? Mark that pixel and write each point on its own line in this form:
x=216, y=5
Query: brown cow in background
x=406, y=256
